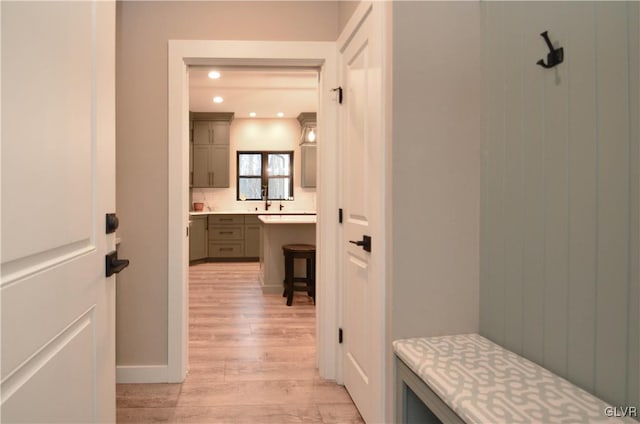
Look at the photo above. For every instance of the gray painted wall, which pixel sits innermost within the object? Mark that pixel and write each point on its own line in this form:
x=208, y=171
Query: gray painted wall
x=435, y=168
x=560, y=188
x=142, y=34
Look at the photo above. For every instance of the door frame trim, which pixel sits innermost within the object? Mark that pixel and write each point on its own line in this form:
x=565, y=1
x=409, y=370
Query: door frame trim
x=321, y=55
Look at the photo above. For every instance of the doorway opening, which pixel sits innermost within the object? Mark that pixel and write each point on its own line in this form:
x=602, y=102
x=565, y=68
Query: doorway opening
x=247, y=157
x=306, y=55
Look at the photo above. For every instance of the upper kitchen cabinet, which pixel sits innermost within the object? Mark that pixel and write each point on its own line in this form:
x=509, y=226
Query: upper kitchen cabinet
x=308, y=166
x=308, y=143
x=211, y=132
x=210, y=155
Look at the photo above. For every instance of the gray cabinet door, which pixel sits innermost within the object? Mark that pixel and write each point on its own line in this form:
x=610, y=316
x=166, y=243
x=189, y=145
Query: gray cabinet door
x=202, y=156
x=210, y=165
x=309, y=166
x=190, y=164
x=220, y=165
x=220, y=131
x=210, y=156
x=252, y=241
x=201, y=132
x=198, y=239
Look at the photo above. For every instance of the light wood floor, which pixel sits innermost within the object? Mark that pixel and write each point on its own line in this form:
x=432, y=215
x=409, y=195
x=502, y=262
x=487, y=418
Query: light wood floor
x=252, y=360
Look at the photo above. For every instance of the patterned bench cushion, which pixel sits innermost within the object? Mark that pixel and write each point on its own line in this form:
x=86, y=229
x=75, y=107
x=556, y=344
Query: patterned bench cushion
x=485, y=383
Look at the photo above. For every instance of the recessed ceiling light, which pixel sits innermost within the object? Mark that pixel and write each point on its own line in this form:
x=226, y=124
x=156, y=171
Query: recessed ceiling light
x=252, y=114
x=214, y=74
x=280, y=114
x=218, y=99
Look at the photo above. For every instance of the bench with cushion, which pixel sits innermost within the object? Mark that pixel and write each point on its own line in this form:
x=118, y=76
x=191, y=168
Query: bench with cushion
x=469, y=379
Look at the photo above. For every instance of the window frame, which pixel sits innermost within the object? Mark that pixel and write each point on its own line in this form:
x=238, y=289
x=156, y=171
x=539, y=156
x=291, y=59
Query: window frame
x=264, y=175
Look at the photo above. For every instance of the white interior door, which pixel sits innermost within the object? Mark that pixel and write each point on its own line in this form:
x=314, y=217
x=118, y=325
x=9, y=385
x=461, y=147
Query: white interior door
x=58, y=182
x=363, y=203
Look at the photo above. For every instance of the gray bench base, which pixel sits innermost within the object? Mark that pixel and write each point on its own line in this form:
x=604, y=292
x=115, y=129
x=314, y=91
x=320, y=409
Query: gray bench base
x=416, y=402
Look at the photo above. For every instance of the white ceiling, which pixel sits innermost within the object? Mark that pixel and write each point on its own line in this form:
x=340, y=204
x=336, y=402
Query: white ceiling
x=245, y=90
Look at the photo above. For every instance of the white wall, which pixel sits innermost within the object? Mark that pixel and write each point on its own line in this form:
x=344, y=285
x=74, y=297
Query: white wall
x=260, y=134
x=435, y=168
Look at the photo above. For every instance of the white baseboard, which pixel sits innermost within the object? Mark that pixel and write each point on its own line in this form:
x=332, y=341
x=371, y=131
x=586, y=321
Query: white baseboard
x=142, y=374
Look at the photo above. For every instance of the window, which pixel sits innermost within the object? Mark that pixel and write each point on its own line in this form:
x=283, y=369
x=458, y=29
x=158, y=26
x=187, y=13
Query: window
x=269, y=173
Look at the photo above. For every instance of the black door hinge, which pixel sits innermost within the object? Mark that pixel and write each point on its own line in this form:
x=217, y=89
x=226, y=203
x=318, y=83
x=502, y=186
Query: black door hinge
x=339, y=90
x=339, y=335
x=340, y=216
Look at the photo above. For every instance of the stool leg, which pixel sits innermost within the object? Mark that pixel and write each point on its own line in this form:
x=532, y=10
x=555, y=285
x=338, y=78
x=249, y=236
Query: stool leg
x=309, y=277
x=288, y=279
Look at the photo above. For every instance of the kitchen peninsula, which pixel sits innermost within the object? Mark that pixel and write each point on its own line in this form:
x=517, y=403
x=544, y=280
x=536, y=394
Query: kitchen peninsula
x=276, y=231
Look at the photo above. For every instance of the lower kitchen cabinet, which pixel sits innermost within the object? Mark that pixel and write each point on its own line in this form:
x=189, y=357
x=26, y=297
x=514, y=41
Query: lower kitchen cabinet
x=251, y=236
x=198, y=240
x=234, y=236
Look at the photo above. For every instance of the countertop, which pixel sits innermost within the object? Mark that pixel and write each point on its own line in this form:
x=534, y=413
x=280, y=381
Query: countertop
x=287, y=219
x=274, y=212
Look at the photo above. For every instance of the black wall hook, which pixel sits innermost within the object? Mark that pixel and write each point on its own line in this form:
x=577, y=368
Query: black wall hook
x=554, y=57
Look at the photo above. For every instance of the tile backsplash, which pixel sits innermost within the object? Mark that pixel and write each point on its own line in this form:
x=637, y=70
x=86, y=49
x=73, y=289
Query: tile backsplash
x=224, y=199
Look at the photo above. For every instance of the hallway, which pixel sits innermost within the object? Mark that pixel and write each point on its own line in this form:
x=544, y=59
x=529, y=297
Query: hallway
x=252, y=360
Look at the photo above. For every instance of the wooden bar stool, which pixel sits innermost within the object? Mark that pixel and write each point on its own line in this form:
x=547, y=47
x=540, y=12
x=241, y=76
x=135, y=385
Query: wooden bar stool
x=299, y=251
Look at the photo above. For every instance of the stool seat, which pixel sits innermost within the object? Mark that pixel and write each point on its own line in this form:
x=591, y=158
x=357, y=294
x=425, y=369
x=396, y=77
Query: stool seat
x=299, y=248
x=299, y=251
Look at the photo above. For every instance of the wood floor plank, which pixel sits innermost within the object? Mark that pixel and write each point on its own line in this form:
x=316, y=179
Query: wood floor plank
x=252, y=359
x=147, y=395
x=261, y=370
x=145, y=415
x=343, y=413
x=249, y=414
x=271, y=392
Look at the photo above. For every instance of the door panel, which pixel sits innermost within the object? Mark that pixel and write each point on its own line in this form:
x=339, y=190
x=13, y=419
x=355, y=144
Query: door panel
x=58, y=182
x=363, y=201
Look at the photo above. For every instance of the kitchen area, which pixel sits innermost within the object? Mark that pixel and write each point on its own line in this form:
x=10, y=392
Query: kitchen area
x=252, y=179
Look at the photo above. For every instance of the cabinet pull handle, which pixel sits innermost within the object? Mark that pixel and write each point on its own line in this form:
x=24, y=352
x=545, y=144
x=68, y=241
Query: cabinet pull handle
x=226, y=248
x=225, y=232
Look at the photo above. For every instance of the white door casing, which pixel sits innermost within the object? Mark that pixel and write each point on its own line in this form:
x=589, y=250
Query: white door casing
x=295, y=54
x=363, y=202
x=58, y=182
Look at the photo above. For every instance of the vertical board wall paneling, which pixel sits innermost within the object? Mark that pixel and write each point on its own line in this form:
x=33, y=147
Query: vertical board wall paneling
x=495, y=175
x=559, y=228
x=486, y=24
x=582, y=195
x=513, y=222
x=533, y=183
x=633, y=385
x=555, y=139
x=613, y=201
